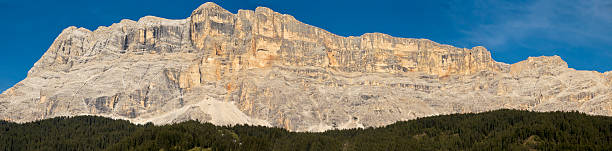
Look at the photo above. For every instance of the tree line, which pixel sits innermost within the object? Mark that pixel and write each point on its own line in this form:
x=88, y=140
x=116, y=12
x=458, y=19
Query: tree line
x=494, y=130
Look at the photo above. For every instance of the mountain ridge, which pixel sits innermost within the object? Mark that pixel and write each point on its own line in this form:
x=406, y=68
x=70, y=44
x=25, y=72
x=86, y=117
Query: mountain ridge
x=266, y=68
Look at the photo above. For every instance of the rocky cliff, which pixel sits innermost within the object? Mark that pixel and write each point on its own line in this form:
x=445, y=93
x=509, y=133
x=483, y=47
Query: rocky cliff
x=265, y=68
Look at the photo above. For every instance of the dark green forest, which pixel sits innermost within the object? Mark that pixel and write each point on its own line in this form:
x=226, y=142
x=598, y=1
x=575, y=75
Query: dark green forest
x=494, y=130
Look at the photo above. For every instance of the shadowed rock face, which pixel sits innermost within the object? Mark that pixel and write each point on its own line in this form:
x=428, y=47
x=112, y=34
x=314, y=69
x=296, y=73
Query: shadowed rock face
x=265, y=68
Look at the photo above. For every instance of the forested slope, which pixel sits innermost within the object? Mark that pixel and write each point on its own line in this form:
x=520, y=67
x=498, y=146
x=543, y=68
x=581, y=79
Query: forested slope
x=495, y=130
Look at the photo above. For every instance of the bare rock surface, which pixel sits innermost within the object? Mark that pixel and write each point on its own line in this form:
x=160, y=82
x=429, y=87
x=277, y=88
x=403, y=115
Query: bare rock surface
x=265, y=68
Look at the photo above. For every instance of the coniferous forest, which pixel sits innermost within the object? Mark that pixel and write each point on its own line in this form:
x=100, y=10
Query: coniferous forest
x=494, y=130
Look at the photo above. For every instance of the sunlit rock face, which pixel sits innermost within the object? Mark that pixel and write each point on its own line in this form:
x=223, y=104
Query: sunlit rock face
x=265, y=68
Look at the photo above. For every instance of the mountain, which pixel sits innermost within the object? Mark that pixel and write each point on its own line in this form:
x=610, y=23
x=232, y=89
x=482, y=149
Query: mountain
x=265, y=68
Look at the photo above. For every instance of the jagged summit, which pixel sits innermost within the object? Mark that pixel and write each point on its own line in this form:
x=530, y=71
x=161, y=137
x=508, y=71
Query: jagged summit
x=265, y=68
x=211, y=7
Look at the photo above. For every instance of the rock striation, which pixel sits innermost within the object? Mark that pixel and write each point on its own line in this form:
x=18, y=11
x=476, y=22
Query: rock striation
x=265, y=68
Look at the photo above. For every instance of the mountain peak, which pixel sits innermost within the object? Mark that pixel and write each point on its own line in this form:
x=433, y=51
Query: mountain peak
x=554, y=60
x=538, y=66
x=210, y=6
x=264, y=9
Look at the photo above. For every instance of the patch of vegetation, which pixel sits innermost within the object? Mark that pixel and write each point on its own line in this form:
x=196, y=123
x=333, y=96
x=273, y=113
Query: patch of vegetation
x=495, y=130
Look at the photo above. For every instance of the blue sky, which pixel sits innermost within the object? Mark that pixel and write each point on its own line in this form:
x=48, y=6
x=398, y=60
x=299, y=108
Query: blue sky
x=579, y=31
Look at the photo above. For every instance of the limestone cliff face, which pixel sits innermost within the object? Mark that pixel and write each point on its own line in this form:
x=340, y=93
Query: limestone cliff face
x=264, y=38
x=266, y=68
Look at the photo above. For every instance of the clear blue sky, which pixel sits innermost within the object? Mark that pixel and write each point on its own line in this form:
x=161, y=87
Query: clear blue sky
x=579, y=31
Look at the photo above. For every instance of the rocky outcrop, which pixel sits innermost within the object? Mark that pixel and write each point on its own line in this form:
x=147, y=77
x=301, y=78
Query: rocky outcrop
x=608, y=75
x=265, y=68
x=539, y=66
